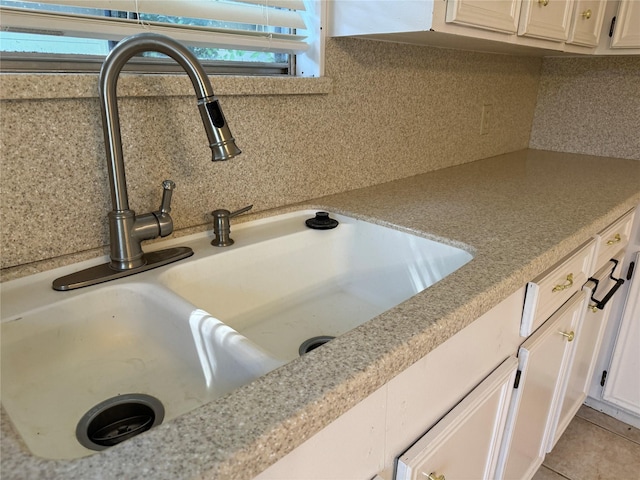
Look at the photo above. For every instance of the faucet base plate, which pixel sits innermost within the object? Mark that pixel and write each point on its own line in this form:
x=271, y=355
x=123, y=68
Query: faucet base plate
x=104, y=273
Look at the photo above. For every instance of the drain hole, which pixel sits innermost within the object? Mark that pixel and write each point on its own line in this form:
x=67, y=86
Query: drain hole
x=118, y=419
x=117, y=424
x=313, y=343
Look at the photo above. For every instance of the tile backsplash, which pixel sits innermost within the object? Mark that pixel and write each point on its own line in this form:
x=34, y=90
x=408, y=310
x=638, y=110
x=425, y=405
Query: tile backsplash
x=394, y=111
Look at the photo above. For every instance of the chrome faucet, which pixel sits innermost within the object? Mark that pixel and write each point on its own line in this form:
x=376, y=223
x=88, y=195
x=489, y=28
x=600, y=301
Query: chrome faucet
x=128, y=230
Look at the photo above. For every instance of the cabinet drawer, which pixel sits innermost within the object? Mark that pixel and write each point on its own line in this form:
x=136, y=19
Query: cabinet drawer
x=547, y=292
x=612, y=239
x=465, y=443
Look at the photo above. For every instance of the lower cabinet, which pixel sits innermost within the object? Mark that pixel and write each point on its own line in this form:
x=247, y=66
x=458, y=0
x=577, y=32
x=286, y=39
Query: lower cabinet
x=453, y=414
x=543, y=358
x=466, y=442
x=587, y=345
x=460, y=374
x=615, y=386
x=622, y=387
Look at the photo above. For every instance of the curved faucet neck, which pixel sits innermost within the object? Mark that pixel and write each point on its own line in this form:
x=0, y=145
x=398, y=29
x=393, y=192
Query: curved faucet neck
x=108, y=80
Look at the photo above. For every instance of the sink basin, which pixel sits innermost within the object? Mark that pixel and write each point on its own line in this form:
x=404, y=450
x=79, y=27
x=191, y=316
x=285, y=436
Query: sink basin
x=77, y=364
x=61, y=359
x=282, y=283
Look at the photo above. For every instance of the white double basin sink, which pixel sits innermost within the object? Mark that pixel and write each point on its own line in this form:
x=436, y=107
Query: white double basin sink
x=194, y=330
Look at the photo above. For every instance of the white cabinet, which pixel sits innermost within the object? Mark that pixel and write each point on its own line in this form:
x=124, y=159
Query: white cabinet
x=543, y=357
x=613, y=238
x=626, y=32
x=556, y=375
x=602, y=289
x=623, y=385
x=547, y=19
x=548, y=291
x=516, y=26
x=479, y=421
x=367, y=439
x=587, y=22
x=501, y=16
x=588, y=339
x=615, y=385
x=466, y=442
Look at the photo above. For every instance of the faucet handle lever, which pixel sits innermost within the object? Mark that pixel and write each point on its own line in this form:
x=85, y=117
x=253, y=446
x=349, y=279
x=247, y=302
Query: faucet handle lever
x=241, y=210
x=167, y=191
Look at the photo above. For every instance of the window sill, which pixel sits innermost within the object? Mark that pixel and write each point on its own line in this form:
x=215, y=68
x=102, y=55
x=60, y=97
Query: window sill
x=30, y=86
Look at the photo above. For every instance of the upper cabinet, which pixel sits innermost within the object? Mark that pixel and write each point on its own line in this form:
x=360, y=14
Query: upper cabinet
x=542, y=27
x=500, y=16
x=626, y=28
x=548, y=19
x=587, y=22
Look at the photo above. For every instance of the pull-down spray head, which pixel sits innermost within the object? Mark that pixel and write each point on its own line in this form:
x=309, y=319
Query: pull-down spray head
x=220, y=139
x=221, y=142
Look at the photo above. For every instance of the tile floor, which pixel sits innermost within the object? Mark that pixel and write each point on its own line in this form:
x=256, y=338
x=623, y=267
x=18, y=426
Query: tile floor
x=594, y=447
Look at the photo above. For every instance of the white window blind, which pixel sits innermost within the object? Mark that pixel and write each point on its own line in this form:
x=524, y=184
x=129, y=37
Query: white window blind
x=257, y=25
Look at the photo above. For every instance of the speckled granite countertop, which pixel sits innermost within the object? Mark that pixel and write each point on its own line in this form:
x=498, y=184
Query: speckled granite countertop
x=518, y=213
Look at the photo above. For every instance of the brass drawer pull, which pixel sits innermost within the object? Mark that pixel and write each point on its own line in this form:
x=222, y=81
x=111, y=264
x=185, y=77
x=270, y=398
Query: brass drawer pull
x=434, y=476
x=544, y=3
x=564, y=286
x=616, y=239
x=570, y=336
x=586, y=14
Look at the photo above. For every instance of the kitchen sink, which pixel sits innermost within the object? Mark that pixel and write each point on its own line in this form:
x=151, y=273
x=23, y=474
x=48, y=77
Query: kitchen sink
x=283, y=284
x=60, y=360
x=88, y=368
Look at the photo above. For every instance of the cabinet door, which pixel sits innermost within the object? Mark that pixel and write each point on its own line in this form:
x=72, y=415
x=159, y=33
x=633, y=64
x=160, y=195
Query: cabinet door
x=587, y=22
x=465, y=443
x=497, y=15
x=623, y=382
x=586, y=345
x=548, y=19
x=542, y=360
x=626, y=33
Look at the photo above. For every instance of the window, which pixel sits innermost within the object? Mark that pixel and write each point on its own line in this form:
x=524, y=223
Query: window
x=229, y=36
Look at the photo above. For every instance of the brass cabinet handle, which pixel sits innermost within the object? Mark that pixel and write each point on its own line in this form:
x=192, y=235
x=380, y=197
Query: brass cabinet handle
x=586, y=14
x=616, y=239
x=434, y=476
x=593, y=308
x=544, y=3
x=564, y=286
x=570, y=336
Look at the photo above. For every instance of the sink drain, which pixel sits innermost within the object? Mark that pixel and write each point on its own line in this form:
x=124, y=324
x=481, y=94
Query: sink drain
x=313, y=343
x=118, y=419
